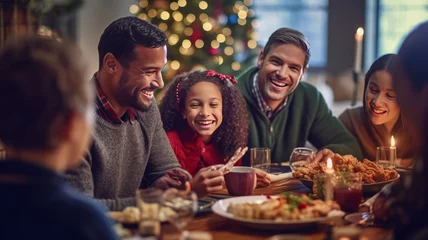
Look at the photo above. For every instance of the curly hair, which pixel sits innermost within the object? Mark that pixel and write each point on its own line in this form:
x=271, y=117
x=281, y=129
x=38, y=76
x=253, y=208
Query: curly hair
x=233, y=131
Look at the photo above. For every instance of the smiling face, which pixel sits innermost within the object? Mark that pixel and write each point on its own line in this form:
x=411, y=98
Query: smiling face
x=142, y=77
x=203, y=109
x=380, y=100
x=281, y=69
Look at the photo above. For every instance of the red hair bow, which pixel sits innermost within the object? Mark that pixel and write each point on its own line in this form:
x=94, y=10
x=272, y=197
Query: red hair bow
x=212, y=73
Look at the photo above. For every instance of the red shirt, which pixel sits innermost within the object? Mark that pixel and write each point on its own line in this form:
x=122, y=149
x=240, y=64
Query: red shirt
x=106, y=111
x=192, y=153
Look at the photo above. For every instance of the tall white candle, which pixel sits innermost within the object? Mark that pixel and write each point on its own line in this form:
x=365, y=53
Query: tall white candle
x=358, y=49
x=393, y=152
x=328, y=192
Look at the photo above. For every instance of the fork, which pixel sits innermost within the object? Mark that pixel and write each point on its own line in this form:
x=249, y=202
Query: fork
x=207, y=205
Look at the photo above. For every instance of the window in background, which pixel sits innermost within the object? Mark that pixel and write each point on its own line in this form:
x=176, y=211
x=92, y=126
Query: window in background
x=396, y=19
x=306, y=16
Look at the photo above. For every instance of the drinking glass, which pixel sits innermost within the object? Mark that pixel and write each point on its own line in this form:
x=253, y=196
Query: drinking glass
x=300, y=156
x=385, y=156
x=149, y=202
x=183, y=206
x=348, y=190
x=260, y=158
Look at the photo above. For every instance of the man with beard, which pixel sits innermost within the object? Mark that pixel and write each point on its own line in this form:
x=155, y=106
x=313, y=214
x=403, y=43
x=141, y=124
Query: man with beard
x=285, y=113
x=130, y=148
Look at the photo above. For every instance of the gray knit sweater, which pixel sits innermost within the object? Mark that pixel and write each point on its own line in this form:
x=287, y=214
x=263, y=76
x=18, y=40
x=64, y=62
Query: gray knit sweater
x=123, y=158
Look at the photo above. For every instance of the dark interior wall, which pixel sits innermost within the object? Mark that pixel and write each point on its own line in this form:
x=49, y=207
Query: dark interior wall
x=344, y=18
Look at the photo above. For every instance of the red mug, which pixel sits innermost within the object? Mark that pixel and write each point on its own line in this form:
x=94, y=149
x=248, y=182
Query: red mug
x=240, y=181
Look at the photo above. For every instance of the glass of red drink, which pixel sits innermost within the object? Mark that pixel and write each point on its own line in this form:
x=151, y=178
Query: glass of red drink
x=348, y=191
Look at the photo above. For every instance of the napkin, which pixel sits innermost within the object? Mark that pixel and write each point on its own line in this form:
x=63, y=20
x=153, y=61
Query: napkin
x=279, y=177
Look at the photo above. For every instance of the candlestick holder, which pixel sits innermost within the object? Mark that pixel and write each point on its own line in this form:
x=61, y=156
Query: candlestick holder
x=356, y=80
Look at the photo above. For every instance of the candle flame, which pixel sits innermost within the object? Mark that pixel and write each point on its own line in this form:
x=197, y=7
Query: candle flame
x=392, y=141
x=359, y=34
x=329, y=163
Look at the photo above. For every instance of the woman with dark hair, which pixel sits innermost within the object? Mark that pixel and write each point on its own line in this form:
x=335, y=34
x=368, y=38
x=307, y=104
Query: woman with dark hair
x=405, y=205
x=379, y=118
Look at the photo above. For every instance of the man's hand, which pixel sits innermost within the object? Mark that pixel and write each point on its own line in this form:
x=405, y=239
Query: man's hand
x=263, y=179
x=323, y=154
x=206, y=181
x=173, y=179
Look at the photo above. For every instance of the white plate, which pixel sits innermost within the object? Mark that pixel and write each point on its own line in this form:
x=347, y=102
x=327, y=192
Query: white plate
x=220, y=208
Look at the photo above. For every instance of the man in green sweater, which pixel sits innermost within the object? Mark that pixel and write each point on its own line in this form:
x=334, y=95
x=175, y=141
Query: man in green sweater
x=285, y=113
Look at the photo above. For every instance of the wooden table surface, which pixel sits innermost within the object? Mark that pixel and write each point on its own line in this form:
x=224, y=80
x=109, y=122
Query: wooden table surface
x=223, y=229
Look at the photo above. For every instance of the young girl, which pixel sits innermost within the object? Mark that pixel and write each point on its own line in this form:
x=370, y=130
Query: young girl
x=206, y=119
x=379, y=118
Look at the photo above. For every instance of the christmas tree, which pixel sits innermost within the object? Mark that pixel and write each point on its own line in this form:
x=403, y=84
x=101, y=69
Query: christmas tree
x=204, y=34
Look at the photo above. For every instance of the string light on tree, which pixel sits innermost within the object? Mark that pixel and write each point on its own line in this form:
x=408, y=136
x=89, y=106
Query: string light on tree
x=221, y=38
x=188, y=31
x=199, y=43
x=142, y=16
x=191, y=17
x=252, y=44
x=236, y=66
x=144, y=3
x=215, y=44
x=229, y=40
x=203, y=5
x=152, y=13
x=242, y=22
x=183, y=50
x=163, y=26
x=216, y=35
x=175, y=65
x=203, y=17
x=207, y=26
x=174, y=6
x=186, y=43
x=182, y=3
x=177, y=16
x=164, y=15
x=227, y=31
x=173, y=39
x=248, y=2
x=220, y=60
x=242, y=14
x=133, y=9
x=228, y=51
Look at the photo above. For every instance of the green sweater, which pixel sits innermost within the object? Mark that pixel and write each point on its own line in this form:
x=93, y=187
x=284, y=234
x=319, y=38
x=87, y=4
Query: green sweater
x=306, y=117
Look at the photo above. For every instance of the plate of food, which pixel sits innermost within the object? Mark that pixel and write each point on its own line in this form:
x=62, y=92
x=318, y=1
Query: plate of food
x=374, y=177
x=288, y=211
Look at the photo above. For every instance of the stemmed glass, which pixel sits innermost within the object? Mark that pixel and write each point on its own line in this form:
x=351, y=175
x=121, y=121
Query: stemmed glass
x=183, y=207
x=300, y=156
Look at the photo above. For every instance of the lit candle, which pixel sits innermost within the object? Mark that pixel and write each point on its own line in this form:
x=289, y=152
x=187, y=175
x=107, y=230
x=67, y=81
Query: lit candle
x=328, y=181
x=358, y=49
x=393, y=152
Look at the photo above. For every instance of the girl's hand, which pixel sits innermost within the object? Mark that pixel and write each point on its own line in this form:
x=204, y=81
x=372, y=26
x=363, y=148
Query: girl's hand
x=263, y=179
x=207, y=181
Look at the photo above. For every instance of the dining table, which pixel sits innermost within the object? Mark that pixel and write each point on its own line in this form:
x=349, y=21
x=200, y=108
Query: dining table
x=222, y=228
